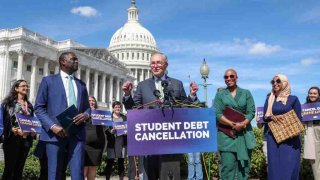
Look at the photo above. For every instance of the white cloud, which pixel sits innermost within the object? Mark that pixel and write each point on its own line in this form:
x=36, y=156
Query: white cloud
x=237, y=47
x=309, y=61
x=261, y=48
x=85, y=11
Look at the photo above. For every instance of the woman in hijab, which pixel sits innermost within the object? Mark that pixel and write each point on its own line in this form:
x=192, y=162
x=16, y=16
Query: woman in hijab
x=283, y=158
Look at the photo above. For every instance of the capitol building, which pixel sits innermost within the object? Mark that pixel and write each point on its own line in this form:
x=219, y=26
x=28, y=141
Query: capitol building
x=29, y=55
x=133, y=45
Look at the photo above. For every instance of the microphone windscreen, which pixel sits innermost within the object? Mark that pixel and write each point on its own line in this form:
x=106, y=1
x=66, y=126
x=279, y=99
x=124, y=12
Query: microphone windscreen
x=157, y=93
x=164, y=83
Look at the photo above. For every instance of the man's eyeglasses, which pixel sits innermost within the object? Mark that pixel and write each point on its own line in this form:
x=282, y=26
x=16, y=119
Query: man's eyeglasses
x=231, y=76
x=278, y=81
x=159, y=63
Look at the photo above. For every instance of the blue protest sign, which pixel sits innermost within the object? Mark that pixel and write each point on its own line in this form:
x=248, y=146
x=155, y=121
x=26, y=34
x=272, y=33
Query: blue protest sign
x=177, y=131
x=120, y=127
x=28, y=123
x=310, y=111
x=100, y=117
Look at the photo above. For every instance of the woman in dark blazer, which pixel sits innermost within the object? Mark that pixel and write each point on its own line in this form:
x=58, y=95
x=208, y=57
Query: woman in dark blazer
x=95, y=141
x=16, y=144
x=117, y=144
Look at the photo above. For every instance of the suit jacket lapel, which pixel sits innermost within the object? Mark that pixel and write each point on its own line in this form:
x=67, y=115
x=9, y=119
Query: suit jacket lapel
x=238, y=95
x=151, y=84
x=230, y=98
x=60, y=85
x=169, y=80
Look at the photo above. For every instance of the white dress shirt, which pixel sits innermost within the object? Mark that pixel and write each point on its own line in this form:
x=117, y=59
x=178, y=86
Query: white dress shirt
x=64, y=77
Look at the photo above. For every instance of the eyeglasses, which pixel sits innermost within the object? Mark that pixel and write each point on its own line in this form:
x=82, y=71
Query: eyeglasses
x=231, y=76
x=278, y=81
x=158, y=63
x=25, y=86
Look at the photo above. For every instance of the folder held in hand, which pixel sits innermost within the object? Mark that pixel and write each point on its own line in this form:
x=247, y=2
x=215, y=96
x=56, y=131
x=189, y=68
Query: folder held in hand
x=66, y=117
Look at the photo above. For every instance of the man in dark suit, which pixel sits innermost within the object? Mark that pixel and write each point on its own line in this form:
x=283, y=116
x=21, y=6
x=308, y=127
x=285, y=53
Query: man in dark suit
x=55, y=94
x=145, y=94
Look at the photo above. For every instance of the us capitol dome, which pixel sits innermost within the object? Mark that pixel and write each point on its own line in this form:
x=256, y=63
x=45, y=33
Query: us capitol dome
x=133, y=45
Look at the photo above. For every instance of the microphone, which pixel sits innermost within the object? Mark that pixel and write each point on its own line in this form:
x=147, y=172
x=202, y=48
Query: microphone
x=164, y=84
x=167, y=92
x=157, y=94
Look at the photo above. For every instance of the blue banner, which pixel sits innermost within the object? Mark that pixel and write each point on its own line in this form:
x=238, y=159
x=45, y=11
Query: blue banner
x=28, y=123
x=167, y=131
x=310, y=111
x=100, y=117
x=120, y=127
x=259, y=115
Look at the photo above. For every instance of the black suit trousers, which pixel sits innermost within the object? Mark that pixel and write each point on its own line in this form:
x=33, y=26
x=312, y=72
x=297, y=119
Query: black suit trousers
x=15, y=149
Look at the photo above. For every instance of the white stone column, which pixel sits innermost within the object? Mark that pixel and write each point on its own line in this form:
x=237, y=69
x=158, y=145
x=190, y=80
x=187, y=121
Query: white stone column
x=8, y=76
x=149, y=74
x=46, y=68
x=118, y=89
x=20, y=64
x=108, y=85
x=88, y=79
x=103, y=86
x=122, y=80
x=96, y=85
x=141, y=77
x=79, y=72
x=3, y=73
x=56, y=69
x=136, y=74
x=142, y=74
x=110, y=92
x=33, y=78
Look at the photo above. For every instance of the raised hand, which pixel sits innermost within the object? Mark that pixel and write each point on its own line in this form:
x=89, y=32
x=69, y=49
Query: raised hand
x=127, y=87
x=193, y=87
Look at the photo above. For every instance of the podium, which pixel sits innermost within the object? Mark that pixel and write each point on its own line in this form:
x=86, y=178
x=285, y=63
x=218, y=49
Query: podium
x=166, y=134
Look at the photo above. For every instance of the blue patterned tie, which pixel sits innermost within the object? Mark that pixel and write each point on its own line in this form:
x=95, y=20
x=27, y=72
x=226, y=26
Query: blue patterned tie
x=71, y=94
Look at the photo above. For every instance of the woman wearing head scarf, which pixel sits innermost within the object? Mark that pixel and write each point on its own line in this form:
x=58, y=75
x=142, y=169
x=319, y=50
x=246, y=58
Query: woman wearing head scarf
x=283, y=158
x=312, y=137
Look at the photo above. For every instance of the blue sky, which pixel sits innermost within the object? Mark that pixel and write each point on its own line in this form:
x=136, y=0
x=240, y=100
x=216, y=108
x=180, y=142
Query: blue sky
x=258, y=38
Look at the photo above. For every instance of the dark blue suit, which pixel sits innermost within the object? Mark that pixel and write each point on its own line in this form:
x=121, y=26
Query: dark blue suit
x=150, y=165
x=144, y=93
x=51, y=101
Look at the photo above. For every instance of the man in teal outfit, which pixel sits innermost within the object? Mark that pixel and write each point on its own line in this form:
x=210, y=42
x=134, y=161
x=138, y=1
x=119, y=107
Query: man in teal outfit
x=235, y=152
